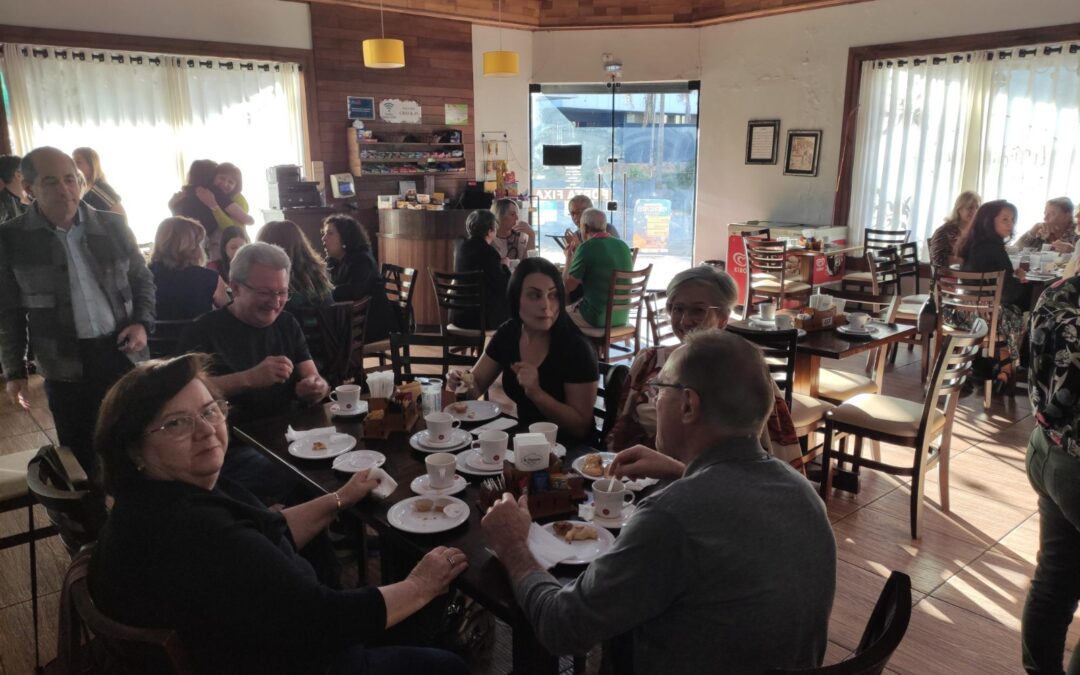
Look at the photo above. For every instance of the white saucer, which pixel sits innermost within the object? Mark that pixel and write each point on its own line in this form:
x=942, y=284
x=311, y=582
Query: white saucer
x=848, y=330
x=614, y=523
x=421, y=485
x=333, y=445
x=475, y=460
x=639, y=484
x=338, y=411
x=585, y=550
x=464, y=467
x=458, y=439
x=478, y=411
x=405, y=517
x=762, y=322
x=358, y=460
x=605, y=460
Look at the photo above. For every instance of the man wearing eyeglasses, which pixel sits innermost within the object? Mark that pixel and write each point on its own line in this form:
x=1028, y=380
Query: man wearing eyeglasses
x=731, y=567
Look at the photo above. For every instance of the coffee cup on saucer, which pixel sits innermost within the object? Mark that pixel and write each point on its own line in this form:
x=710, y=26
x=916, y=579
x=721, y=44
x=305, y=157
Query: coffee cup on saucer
x=440, y=425
x=858, y=320
x=549, y=429
x=440, y=469
x=347, y=396
x=610, y=497
x=784, y=322
x=491, y=445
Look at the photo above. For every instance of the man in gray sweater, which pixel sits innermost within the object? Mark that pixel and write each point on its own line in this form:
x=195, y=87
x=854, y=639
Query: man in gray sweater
x=730, y=568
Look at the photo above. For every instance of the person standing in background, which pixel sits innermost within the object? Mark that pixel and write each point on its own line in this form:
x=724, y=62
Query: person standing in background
x=99, y=194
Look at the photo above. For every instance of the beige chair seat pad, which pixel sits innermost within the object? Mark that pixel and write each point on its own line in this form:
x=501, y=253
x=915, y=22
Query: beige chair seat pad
x=379, y=347
x=616, y=332
x=465, y=332
x=861, y=277
x=906, y=312
x=13, y=474
x=790, y=285
x=806, y=410
x=886, y=414
x=914, y=299
x=839, y=385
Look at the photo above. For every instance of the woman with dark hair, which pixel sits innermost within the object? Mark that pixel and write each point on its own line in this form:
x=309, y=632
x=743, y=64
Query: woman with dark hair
x=187, y=549
x=232, y=238
x=99, y=195
x=309, y=280
x=13, y=200
x=356, y=275
x=184, y=288
x=476, y=254
x=548, y=368
x=186, y=202
x=982, y=247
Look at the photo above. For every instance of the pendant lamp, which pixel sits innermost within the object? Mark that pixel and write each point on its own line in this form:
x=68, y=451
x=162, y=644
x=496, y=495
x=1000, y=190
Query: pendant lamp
x=501, y=63
x=381, y=52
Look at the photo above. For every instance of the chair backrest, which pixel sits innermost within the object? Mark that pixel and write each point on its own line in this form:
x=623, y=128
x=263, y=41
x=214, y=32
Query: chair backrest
x=458, y=292
x=875, y=240
x=951, y=367
x=882, y=307
x=884, y=267
x=59, y=483
x=335, y=335
x=626, y=291
x=162, y=342
x=115, y=647
x=609, y=391
x=660, y=331
x=399, y=283
x=763, y=233
x=909, y=261
x=883, y=633
x=779, y=348
x=634, y=250
x=442, y=350
x=971, y=295
x=766, y=257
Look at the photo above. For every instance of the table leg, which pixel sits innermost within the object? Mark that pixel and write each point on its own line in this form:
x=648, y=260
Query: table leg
x=807, y=367
x=806, y=268
x=529, y=657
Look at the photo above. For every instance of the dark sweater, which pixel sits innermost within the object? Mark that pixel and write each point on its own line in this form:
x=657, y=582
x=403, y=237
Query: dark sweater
x=476, y=255
x=989, y=255
x=358, y=277
x=221, y=570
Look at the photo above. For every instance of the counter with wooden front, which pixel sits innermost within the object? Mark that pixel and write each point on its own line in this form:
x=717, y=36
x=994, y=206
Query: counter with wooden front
x=421, y=239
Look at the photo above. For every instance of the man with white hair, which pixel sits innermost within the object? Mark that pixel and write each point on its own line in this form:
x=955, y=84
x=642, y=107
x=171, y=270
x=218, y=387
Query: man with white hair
x=589, y=266
x=731, y=567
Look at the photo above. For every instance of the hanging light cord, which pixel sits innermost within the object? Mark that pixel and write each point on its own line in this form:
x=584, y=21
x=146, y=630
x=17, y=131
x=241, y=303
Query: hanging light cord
x=382, y=21
x=500, y=26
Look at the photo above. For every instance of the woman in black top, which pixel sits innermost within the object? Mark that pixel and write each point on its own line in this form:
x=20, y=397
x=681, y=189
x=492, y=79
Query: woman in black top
x=982, y=248
x=186, y=202
x=99, y=195
x=356, y=275
x=309, y=279
x=549, y=369
x=184, y=288
x=186, y=551
x=476, y=254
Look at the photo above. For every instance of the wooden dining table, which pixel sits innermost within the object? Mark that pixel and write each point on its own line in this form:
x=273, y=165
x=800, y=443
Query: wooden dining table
x=485, y=580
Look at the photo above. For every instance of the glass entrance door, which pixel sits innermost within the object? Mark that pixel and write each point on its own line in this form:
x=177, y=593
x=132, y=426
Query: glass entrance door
x=648, y=192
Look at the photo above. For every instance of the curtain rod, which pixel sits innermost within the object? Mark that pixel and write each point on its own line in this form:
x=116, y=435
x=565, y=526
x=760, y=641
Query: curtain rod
x=999, y=54
x=63, y=53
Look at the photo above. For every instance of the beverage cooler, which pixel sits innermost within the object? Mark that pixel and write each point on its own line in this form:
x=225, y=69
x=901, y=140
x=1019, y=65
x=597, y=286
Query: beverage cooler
x=826, y=268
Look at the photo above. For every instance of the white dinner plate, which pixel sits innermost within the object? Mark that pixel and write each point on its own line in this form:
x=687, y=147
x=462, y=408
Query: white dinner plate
x=605, y=458
x=405, y=517
x=358, y=460
x=322, y=447
x=337, y=410
x=585, y=550
x=478, y=411
x=421, y=485
x=463, y=467
x=458, y=439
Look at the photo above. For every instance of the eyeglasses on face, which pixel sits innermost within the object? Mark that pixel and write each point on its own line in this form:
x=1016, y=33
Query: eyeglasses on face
x=656, y=385
x=180, y=427
x=267, y=294
x=692, y=312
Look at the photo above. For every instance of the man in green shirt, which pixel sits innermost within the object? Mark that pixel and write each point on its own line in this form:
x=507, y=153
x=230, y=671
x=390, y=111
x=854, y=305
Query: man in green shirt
x=590, y=265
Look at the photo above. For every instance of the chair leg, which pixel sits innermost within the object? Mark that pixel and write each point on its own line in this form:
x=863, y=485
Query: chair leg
x=988, y=393
x=925, y=357
x=826, y=464
x=918, y=485
x=875, y=449
x=34, y=589
x=943, y=472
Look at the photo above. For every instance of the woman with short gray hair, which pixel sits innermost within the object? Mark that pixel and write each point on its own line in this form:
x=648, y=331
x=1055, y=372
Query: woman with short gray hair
x=476, y=253
x=698, y=298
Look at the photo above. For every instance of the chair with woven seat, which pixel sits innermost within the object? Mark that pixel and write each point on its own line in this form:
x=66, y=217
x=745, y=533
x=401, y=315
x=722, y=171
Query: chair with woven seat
x=766, y=263
x=837, y=386
x=626, y=292
x=883, y=633
x=399, y=283
x=807, y=413
x=911, y=424
x=964, y=296
x=660, y=330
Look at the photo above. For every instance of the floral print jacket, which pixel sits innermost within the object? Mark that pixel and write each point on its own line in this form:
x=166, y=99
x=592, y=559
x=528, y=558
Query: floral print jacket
x=1054, y=374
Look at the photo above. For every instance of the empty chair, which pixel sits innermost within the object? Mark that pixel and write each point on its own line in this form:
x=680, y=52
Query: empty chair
x=766, y=262
x=399, y=283
x=837, y=385
x=874, y=241
x=459, y=292
x=431, y=351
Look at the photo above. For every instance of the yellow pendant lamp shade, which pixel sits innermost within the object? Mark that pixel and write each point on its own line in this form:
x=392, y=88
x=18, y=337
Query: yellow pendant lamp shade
x=500, y=64
x=384, y=53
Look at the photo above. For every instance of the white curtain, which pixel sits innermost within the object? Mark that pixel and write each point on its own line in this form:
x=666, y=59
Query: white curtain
x=930, y=128
x=149, y=120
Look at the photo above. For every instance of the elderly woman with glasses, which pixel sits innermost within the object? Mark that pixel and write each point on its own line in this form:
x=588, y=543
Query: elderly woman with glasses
x=189, y=550
x=698, y=298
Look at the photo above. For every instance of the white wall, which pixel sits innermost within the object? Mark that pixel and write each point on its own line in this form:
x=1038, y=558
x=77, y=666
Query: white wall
x=502, y=103
x=791, y=67
x=256, y=22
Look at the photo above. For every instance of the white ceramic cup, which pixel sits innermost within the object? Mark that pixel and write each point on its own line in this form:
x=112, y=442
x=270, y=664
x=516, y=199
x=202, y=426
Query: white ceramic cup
x=440, y=469
x=610, y=497
x=549, y=429
x=347, y=396
x=440, y=425
x=492, y=445
x=858, y=320
x=532, y=452
x=784, y=322
x=766, y=310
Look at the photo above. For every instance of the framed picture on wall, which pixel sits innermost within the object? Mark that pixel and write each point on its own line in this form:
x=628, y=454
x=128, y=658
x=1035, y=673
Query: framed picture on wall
x=803, y=150
x=762, y=141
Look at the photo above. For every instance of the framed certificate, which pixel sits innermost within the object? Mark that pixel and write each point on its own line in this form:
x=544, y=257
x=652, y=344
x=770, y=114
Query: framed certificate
x=762, y=139
x=803, y=151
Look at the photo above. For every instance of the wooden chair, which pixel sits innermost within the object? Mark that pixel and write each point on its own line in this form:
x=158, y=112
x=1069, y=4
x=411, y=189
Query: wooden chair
x=89, y=641
x=163, y=341
x=909, y=267
x=439, y=350
x=625, y=292
x=399, y=283
x=459, y=292
x=906, y=423
x=874, y=241
x=779, y=349
x=838, y=386
x=883, y=633
x=969, y=295
x=660, y=331
x=766, y=263
x=633, y=256
x=335, y=335
x=609, y=391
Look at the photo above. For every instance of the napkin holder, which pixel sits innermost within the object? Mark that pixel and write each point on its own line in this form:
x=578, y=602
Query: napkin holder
x=542, y=504
x=399, y=413
x=820, y=319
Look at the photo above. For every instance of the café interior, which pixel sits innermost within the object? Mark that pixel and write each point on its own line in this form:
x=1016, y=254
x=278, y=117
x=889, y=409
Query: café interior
x=806, y=151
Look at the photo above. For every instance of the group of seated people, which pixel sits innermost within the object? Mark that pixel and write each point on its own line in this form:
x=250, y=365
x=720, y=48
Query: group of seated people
x=975, y=238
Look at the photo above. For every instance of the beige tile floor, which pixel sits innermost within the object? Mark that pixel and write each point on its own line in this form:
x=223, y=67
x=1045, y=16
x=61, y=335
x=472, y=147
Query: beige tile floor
x=969, y=570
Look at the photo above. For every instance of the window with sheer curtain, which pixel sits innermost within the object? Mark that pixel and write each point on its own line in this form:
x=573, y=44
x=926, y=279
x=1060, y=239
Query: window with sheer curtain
x=1003, y=123
x=149, y=115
